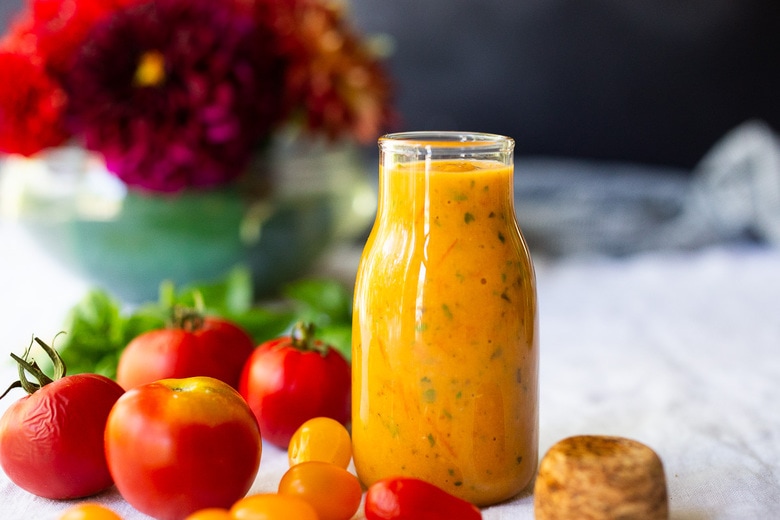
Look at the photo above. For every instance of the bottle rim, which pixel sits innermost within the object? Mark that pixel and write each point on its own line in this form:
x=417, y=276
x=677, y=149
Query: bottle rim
x=427, y=143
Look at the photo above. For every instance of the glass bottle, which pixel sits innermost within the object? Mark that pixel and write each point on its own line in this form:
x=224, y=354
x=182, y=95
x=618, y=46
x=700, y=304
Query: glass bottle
x=445, y=327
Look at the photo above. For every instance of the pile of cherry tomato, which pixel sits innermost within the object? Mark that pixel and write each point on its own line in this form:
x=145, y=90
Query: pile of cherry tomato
x=180, y=432
x=318, y=486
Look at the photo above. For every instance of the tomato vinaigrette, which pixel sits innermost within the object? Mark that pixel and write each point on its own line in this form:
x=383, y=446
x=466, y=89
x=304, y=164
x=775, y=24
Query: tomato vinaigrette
x=445, y=341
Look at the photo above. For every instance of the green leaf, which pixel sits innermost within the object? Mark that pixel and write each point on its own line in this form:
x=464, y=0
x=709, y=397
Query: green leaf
x=230, y=295
x=145, y=318
x=325, y=301
x=94, y=330
x=264, y=324
x=338, y=336
x=98, y=328
x=328, y=305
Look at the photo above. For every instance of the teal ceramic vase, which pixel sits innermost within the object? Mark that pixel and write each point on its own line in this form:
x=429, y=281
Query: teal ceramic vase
x=299, y=199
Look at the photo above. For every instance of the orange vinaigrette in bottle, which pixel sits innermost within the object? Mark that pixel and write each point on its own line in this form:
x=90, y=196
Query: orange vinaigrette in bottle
x=445, y=328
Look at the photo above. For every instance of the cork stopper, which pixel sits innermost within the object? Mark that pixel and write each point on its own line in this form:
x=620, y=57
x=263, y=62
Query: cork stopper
x=593, y=477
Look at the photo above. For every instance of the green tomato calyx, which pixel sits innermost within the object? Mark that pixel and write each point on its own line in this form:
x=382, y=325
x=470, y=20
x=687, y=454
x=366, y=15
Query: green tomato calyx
x=303, y=338
x=27, y=364
x=187, y=318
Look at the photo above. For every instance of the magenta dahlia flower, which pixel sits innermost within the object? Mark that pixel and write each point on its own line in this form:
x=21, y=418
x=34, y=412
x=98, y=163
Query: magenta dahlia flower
x=176, y=93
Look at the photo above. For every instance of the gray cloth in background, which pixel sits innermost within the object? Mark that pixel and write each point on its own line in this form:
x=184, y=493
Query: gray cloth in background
x=578, y=207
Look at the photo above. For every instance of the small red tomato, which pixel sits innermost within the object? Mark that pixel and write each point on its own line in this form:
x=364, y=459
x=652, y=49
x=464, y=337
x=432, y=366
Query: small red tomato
x=51, y=441
x=292, y=379
x=176, y=446
x=409, y=498
x=193, y=346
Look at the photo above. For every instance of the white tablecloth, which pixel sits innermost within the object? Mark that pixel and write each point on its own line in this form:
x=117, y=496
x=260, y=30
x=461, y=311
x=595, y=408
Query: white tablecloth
x=680, y=351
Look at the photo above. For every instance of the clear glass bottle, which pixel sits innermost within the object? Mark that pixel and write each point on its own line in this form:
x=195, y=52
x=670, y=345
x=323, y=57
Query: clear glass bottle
x=445, y=331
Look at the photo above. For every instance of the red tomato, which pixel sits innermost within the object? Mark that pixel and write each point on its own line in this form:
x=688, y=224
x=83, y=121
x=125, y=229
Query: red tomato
x=405, y=498
x=197, y=346
x=51, y=441
x=176, y=446
x=292, y=379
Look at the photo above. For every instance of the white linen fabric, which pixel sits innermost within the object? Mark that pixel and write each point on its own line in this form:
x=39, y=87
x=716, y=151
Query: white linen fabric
x=679, y=350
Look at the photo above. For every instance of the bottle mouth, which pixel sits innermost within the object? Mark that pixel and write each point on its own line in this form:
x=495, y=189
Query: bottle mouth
x=443, y=144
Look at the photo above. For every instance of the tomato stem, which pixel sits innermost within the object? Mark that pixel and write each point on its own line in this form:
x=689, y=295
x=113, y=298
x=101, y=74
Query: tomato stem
x=186, y=318
x=27, y=364
x=189, y=318
x=302, y=336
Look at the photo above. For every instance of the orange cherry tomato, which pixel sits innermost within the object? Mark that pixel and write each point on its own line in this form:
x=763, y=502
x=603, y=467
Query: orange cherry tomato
x=211, y=513
x=89, y=511
x=179, y=445
x=334, y=492
x=323, y=439
x=272, y=506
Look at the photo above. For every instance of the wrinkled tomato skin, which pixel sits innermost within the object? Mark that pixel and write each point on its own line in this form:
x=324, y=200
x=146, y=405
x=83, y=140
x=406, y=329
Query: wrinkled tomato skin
x=218, y=349
x=285, y=387
x=176, y=446
x=51, y=441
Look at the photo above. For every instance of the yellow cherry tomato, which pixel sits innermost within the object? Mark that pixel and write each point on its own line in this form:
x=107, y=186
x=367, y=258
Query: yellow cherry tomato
x=323, y=439
x=210, y=513
x=89, y=511
x=272, y=506
x=334, y=492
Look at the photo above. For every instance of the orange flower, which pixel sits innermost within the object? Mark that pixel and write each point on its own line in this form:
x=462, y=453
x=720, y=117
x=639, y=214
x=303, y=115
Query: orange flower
x=333, y=79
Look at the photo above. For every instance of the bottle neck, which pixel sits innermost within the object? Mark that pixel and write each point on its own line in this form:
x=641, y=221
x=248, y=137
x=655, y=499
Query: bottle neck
x=432, y=191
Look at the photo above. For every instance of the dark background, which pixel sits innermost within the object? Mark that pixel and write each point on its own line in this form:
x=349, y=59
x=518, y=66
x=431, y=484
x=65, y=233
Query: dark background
x=654, y=82
x=650, y=81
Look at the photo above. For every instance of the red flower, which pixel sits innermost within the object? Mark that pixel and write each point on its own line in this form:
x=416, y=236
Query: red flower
x=31, y=106
x=60, y=27
x=179, y=93
x=20, y=38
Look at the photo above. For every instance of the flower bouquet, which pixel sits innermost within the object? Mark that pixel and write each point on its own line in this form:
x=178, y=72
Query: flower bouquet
x=187, y=107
